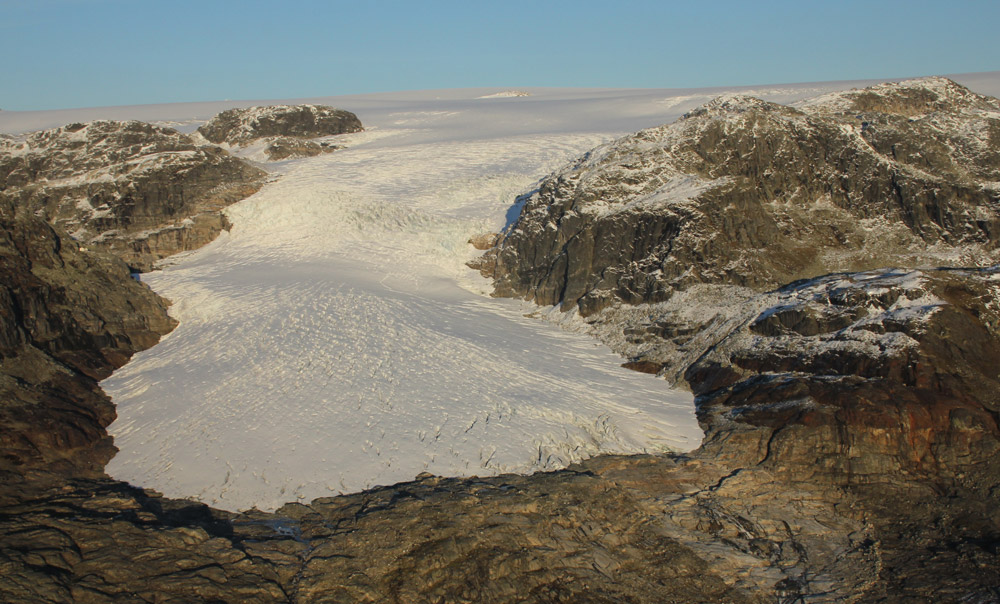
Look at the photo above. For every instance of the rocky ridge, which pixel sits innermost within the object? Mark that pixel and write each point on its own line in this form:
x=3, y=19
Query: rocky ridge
x=850, y=453
x=285, y=129
x=139, y=191
x=750, y=193
x=693, y=249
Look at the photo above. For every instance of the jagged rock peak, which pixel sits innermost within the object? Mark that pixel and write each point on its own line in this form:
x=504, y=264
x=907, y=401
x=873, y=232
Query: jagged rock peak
x=242, y=126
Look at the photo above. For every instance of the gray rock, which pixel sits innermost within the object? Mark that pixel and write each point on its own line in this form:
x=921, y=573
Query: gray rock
x=139, y=191
x=242, y=126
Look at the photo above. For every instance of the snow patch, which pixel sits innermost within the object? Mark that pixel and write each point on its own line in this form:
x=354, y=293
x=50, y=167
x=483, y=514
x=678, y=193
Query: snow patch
x=506, y=94
x=675, y=191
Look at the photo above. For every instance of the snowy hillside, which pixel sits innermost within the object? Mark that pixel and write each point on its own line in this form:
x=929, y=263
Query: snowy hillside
x=335, y=339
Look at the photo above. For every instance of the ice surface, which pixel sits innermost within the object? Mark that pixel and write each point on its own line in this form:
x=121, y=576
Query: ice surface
x=335, y=339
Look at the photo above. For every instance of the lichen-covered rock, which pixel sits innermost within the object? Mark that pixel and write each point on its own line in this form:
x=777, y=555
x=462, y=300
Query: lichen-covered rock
x=243, y=126
x=751, y=193
x=139, y=191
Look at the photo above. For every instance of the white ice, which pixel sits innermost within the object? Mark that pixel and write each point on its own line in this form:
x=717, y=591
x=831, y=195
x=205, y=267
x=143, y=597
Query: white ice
x=335, y=339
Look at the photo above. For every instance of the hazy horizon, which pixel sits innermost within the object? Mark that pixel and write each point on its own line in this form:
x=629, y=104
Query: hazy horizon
x=98, y=53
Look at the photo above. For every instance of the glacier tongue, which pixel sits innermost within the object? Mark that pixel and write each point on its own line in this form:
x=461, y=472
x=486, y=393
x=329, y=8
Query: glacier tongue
x=335, y=339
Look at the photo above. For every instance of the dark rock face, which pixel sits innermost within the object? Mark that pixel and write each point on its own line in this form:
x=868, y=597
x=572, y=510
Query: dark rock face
x=139, y=191
x=242, y=126
x=751, y=193
x=903, y=362
x=68, y=319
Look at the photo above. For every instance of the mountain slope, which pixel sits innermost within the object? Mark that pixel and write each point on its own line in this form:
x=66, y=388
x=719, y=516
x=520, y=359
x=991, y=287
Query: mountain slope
x=140, y=191
x=746, y=192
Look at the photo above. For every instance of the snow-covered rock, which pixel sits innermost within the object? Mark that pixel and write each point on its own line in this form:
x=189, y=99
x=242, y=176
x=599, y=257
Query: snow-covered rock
x=243, y=126
x=140, y=191
x=746, y=192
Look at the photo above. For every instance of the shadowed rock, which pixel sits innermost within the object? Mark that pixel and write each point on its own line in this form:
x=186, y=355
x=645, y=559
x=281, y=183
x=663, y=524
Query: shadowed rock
x=67, y=319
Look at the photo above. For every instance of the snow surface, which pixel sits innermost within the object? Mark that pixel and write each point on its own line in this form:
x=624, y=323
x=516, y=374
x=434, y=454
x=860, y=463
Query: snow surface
x=335, y=339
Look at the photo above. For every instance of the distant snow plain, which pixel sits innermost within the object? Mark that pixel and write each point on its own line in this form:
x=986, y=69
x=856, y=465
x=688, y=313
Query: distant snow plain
x=334, y=339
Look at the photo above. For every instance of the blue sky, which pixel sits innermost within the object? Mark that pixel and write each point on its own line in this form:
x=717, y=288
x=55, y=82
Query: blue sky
x=83, y=53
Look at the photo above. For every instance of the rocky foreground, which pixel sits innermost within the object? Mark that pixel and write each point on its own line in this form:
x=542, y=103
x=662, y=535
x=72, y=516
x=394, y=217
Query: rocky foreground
x=851, y=411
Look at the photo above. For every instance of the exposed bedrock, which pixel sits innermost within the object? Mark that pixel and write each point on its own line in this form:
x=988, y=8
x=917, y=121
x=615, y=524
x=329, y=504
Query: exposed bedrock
x=745, y=192
x=289, y=148
x=243, y=126
x=139, y=191
x=67, y=320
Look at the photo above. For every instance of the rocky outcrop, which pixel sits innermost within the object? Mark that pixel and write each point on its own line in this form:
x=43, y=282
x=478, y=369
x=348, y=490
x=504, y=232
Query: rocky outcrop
x=292, y=148
x=751, y=193
x=903, y=363
x=614, y=529
x=139, y=191
x=876, y=390
x=67, y=319
x=243, y=126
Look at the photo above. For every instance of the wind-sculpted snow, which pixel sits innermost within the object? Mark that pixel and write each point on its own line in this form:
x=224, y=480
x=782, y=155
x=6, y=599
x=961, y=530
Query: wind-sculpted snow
x=327, y=344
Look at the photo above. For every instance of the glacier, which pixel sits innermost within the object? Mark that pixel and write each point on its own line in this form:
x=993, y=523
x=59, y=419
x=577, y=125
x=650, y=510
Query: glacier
x=335, y=339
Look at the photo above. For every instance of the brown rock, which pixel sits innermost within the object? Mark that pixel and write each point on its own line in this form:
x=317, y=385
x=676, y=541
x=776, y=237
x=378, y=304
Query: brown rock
x=484, y=241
